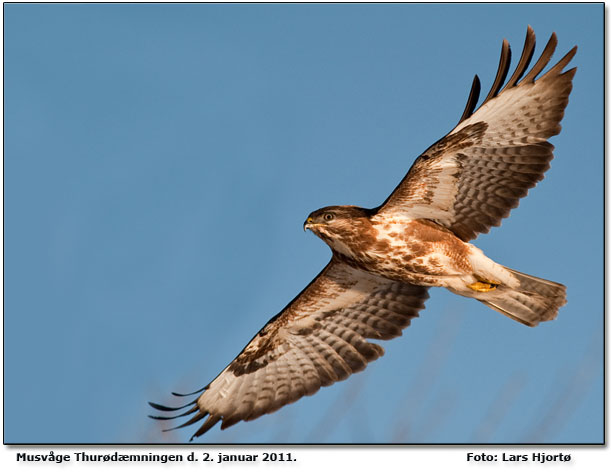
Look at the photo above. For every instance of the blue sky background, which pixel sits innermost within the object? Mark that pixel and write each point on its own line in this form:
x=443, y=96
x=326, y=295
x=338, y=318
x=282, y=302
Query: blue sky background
x=160, y=161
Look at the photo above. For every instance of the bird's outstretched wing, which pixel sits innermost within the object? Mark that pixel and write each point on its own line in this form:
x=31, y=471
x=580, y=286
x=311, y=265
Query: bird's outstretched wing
x=318, y=339
x=470, y=180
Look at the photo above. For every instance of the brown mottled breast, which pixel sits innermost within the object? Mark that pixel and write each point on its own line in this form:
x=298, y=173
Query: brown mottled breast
x=416, y=251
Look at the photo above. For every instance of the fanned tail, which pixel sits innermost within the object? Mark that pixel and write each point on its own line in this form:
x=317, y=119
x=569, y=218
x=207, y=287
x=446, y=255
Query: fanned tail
x=535, y=299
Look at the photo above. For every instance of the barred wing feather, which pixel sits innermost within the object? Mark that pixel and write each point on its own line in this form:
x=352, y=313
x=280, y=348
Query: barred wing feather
x=470, y=180
x=318, y=339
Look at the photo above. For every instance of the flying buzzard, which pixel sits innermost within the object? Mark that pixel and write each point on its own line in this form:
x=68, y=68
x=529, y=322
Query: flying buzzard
x=385, y=258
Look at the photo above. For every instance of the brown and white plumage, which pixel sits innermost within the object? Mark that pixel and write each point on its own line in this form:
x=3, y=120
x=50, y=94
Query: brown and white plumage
x=385, y=258
x=470, y=179
x=318, y=339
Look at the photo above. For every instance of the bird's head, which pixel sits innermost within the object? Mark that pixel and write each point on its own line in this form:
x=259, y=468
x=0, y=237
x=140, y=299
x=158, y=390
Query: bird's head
x=338, y=225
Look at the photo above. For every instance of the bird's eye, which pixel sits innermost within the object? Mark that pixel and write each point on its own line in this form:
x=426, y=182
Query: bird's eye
x=328, y=217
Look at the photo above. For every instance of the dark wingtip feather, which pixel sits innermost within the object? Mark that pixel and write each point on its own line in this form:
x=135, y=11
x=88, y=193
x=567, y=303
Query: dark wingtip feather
x=560, y=65
x=227, y=422
x=527, y=54
x=472, y=100
x=190, y=421
x=570, y=73
x=159, y=407
x=164, y=418
x=209, y=423
x=501, y=72
x=516, y=78
x=546, y=55
x=192, y=410
x=176, y=394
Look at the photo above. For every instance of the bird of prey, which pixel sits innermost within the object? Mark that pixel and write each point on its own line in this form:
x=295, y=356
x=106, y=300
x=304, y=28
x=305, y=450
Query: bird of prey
x=385, y=258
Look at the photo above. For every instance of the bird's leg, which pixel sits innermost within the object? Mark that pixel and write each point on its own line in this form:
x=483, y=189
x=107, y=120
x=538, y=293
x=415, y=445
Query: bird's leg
x=483, y=285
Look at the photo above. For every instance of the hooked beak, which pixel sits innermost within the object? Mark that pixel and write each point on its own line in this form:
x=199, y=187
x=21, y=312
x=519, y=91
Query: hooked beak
x=308, y=224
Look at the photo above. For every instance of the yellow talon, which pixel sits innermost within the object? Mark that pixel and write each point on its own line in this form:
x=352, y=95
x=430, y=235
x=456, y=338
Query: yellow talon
x=483, y=285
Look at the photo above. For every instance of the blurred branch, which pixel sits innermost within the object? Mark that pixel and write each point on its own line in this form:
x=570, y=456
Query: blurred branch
x=440, y=412
x=338, y=410
x=564, y=402
x=498, y=409
x=421, y=386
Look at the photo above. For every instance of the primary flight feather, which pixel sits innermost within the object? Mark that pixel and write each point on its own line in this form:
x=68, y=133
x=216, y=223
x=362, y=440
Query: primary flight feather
x=385, y=258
